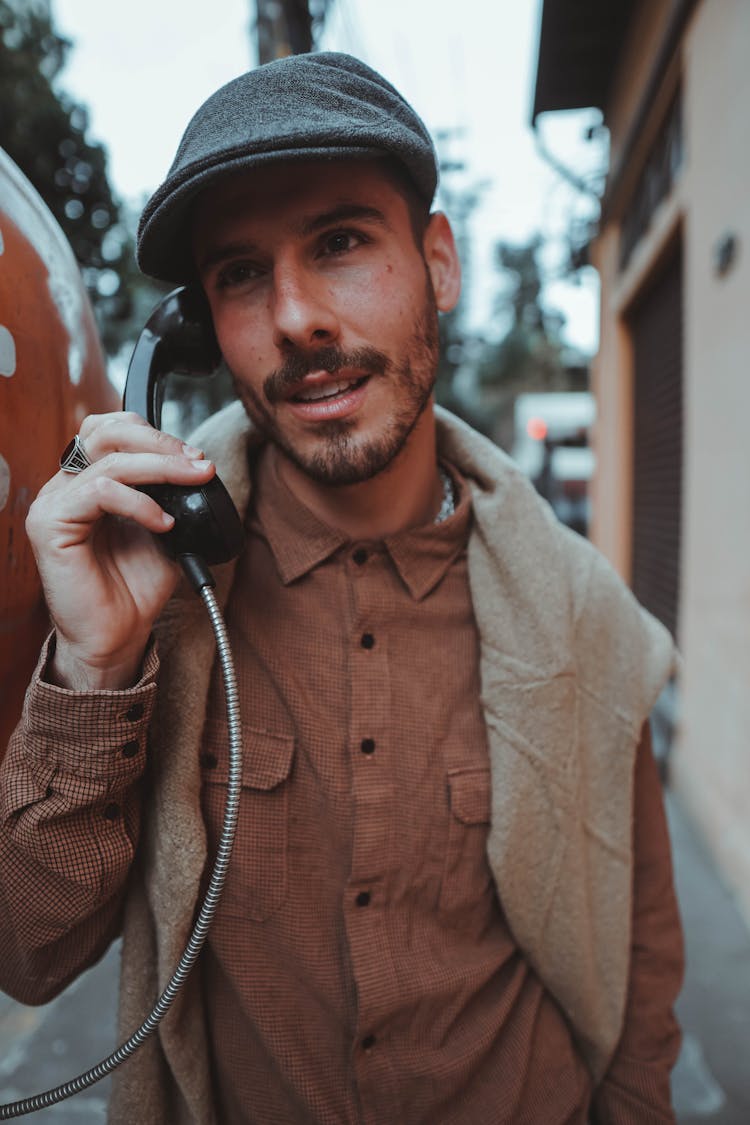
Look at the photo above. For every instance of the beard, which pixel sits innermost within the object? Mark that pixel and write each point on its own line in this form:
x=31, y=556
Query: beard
x=340, y=456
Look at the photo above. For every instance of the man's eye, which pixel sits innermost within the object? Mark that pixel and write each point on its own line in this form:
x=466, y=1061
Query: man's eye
x=236, y=273
x=340, y=241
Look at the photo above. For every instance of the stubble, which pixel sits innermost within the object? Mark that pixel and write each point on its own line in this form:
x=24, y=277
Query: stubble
x=340, y=455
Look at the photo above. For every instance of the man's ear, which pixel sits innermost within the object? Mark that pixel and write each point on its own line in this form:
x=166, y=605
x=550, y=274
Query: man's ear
x=442, y=261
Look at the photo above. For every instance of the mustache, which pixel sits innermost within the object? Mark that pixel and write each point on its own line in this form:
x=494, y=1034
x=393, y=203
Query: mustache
x=331, y=359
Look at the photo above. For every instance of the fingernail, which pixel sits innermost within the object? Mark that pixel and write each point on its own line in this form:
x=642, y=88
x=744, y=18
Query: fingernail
x=166, y=519
x=192, y=451
x=200, y=464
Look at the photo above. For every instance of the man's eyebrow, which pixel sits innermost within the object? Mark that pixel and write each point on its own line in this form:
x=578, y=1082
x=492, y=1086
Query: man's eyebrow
x=223, y=250
x=345, y=212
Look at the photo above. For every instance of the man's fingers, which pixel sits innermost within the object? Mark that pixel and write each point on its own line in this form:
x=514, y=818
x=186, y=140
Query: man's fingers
x=149, y=468
x=111, y=497
x=109, y=487
x=128, y=433
x=64, y=519
x=135, y=468
x=94, y=422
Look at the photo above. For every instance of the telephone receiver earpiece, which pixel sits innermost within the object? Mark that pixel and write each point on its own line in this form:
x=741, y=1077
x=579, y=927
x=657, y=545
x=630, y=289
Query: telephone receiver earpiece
x=179, y=337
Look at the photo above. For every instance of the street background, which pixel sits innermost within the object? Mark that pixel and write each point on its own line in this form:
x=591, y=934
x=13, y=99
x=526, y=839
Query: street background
x=529, y=321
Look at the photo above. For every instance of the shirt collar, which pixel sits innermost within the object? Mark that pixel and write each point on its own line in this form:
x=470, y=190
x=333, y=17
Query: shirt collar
x=300, y=541
x=423, y=555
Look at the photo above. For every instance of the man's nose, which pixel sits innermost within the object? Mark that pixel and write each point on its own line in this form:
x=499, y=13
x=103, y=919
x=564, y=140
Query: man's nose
x=303, y=313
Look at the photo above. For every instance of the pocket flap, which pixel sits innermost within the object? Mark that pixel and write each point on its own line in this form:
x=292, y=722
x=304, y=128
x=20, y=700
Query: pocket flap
x=470, y=797
x=266, y=758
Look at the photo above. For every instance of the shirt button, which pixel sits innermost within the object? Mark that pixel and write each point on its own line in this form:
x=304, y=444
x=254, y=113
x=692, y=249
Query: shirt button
x=368, y=1042
x=111, y=811
x=360, y=556
x=130, y=749
x=363, y=898
x=134, y=713
x=367, y=641
x=367, y=745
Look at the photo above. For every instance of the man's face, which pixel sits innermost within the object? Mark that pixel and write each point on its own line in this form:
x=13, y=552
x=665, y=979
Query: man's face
x=325, y=310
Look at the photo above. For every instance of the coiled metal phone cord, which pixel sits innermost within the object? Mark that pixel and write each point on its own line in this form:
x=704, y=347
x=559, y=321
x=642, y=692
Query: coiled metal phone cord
x=207, y=911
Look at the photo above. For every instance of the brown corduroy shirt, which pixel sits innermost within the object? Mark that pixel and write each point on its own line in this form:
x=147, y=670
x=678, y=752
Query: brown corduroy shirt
x=360, y=967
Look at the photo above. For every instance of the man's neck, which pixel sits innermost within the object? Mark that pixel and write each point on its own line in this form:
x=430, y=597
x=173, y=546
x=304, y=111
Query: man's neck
x=406, y=494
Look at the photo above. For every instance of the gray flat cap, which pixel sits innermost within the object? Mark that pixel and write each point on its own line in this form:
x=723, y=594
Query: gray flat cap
x=318, y=105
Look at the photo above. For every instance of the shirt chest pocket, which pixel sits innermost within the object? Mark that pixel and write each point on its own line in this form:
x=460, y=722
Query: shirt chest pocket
x=466, y=871
x=257, y=879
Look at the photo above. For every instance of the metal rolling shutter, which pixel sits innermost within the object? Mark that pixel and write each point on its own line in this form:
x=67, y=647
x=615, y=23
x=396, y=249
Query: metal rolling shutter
x=656, y=327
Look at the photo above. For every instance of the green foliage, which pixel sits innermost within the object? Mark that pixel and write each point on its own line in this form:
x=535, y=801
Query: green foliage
x=522, y=265
x=451, y=352
x=44, y=132
x=530, y=354
x=459, y=197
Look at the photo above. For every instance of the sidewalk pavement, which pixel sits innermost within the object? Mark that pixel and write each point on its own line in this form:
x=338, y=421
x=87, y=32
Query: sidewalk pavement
x=711, y=1082
x=40, y=1047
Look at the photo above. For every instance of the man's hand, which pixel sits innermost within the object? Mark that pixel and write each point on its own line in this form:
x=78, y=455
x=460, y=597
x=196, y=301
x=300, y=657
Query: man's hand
x=105, y=578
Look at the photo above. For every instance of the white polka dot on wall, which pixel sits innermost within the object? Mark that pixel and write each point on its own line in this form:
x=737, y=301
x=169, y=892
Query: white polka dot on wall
x=4, y=482
x=4, y=466
x=7, y=352
x=7, y=343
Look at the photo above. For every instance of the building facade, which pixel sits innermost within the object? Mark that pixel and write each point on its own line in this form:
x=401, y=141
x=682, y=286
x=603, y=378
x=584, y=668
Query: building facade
x=671, y=497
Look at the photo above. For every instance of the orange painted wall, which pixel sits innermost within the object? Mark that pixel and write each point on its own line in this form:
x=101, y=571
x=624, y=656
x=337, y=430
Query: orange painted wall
x=51, y=375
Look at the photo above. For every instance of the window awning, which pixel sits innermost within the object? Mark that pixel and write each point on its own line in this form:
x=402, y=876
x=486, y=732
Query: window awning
x=579, y=43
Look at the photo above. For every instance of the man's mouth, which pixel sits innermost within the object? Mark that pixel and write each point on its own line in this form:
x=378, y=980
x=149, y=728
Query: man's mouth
x=318, y=393
x=327, y=397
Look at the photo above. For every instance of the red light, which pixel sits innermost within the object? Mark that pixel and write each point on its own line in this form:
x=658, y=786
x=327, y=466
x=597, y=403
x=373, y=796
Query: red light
x=536, y=428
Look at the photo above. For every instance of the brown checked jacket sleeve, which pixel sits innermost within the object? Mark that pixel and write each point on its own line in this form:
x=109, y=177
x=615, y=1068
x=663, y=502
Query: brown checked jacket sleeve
x=636, y=1087
x=69, y=817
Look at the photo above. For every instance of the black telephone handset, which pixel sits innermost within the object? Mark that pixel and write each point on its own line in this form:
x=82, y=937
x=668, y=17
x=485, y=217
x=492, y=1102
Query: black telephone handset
x=179, y=337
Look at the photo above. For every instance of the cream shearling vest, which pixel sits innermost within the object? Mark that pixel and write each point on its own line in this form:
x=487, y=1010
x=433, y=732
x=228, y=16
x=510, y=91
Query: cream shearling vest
x=570, y=668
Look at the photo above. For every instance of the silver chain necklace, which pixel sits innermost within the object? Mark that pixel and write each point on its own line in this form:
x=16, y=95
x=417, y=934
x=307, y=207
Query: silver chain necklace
x=448, y=506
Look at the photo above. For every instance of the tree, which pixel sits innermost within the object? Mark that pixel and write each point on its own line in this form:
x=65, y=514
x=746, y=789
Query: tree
x=530, y=352
x=44, y=131
x=531, y=355
x=459, y=196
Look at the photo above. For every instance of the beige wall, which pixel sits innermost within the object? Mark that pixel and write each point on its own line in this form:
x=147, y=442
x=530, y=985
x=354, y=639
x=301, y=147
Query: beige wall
x=712, y=757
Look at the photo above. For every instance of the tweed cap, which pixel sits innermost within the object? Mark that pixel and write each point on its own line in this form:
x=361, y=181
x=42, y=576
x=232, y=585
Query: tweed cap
x=325, y=105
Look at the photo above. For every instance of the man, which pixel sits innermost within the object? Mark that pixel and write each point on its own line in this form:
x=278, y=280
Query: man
x=450, y=898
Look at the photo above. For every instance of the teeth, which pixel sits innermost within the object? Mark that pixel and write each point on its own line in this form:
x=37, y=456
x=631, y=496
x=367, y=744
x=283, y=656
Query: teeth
x=313, y=394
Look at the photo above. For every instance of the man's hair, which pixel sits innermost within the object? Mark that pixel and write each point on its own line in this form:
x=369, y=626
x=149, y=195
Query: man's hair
x=419, y=209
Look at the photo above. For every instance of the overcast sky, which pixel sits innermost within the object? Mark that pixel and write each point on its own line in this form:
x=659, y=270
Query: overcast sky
x=466, y=65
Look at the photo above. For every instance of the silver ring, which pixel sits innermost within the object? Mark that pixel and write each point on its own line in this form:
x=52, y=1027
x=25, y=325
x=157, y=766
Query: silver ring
x=74, y=458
